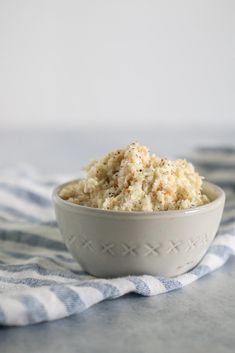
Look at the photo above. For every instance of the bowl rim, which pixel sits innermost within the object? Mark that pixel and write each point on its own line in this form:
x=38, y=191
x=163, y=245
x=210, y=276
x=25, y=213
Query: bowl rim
x=171, y=213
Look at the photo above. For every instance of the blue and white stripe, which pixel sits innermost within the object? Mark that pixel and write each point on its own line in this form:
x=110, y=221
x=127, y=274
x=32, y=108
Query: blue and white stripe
x=39, y=280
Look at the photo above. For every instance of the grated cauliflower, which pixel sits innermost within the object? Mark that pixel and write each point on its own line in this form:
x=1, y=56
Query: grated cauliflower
x=132, y=179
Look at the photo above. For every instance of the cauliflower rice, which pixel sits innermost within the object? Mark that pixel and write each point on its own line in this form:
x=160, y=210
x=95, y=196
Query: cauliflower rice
x=132, y=179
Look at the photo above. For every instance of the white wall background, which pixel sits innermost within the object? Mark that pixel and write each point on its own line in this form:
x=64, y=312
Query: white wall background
x=90, y=62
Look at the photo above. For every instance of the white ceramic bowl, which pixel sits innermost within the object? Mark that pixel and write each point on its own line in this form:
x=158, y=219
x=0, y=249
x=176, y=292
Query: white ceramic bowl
x=113, y=244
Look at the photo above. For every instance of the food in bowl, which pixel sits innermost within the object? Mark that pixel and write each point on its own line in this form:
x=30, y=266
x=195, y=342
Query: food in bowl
x=136, y=213
x=132, y=179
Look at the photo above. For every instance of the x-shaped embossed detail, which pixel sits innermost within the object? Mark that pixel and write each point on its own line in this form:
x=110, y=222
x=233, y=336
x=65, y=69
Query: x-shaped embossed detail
x=87, y=244
x=71, y=238
x=174, y=247
x=129, y=250
x=192, y=243
x=107, y=248
x=152, y=249
x=205, y=239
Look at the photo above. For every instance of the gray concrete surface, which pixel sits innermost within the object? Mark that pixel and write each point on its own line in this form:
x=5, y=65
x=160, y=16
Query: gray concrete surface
x=198, y=318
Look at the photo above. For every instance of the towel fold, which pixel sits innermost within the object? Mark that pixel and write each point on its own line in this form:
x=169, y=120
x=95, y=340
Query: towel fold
x=40, y=281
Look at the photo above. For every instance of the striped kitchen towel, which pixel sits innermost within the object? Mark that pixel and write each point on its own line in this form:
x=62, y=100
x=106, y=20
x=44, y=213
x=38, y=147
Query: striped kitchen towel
x=39, y=280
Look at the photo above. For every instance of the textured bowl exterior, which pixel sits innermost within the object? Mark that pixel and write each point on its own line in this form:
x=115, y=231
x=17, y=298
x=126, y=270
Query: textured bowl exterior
x=114, y=244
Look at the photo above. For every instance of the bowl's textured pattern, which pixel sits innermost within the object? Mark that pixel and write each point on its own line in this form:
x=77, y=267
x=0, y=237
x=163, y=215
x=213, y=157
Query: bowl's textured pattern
x=78, y=242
